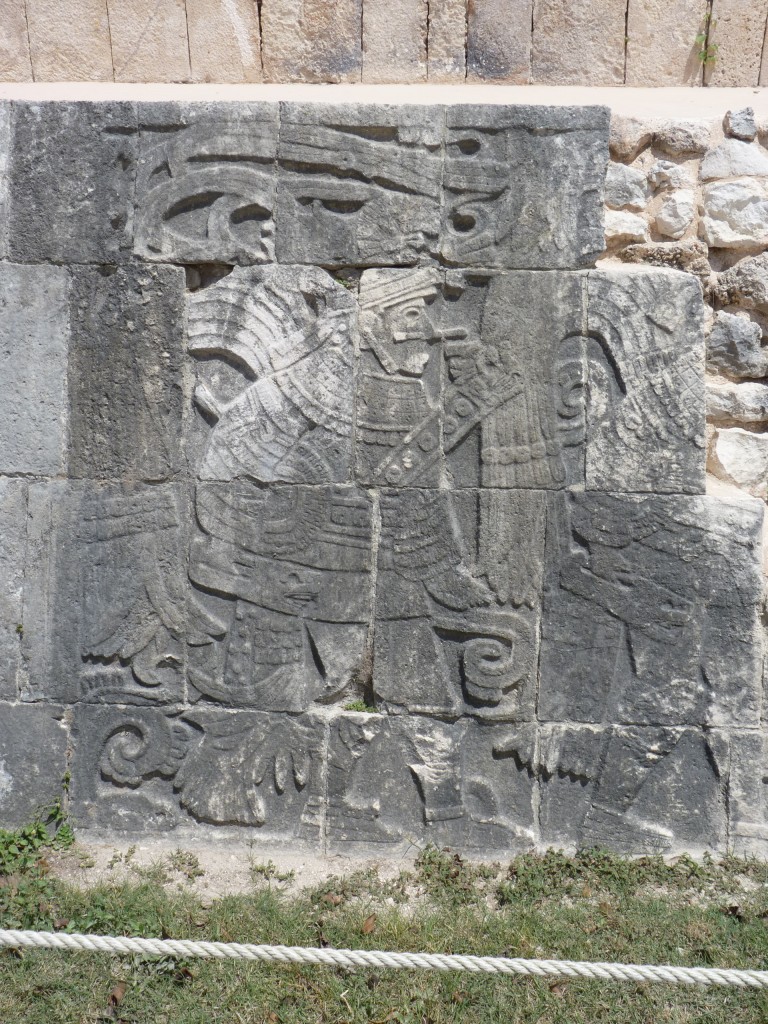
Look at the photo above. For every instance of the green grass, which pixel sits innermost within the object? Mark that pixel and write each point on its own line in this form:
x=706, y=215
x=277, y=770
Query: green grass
x=594, y=907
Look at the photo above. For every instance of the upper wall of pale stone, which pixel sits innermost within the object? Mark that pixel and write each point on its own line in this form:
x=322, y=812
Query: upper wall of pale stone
x=550, y=42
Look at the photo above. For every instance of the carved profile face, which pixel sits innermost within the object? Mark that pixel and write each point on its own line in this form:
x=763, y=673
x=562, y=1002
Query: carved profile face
x=395, y=318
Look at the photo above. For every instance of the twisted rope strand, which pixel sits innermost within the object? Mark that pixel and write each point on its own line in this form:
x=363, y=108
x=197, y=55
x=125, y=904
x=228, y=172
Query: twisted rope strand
x=376, y=958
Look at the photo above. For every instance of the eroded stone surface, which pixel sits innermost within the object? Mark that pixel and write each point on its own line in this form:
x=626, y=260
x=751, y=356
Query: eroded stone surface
x=82, y=54
x=147, y=35
x=224, y=40
x=735, y=214
x=496, y=48
x=734, y=346
x=660, y=41
x=317, y=41
x=625, y=187
x=33, y=758
x=566, y=48
x=13, y=518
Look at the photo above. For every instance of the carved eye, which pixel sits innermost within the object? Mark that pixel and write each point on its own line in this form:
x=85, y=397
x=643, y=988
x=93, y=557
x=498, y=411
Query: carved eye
x=468, y=146
x=251, y=212
x=342, y=206
x=462, y=222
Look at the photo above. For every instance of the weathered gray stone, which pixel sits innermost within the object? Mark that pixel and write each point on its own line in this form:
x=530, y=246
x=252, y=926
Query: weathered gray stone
x=295, y=567
x=622, y=228
x=747, y=792
x=105, y=604
x=523, y=186
x=676, y=213
x=125, y=383
x=731, y=405
x=740, y=457
x=652, y=611
x=733, y=347
x=625, y=187
x=456, y=633
x=13, y=522
x=735, y=214
x=646, y=385
x=466, y=784
x=746, y=283
x=634, y=790
x=205, y=189
x=291, y=332
x=5, y=160
x=733, y=158
x=691, y=256
x=34, y=339
x=33, y=758
x=71, y=182
x=358, y=185
x=740, y=124
x=665, y=174
x=143, y=769
x=628, y=136
x=682, y=138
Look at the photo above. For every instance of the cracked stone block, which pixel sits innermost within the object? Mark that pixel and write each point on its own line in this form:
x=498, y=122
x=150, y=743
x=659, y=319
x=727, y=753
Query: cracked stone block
x=33, y=759
x=291, y=571
x=646, y=393
x=523, y=186
x=15, y=62
x=5, y=160
x=105, y=608
x=660, y=42
x=147, y=769
x=34, y=342
x=273, y=345
x=205, y=187
x=653, y=789
x=317, y=41
x=747, y=794
x=224, y=40
x=734, y=347
x=463, y=784
x=13, y=517
x=358, y=185
x=82, y=55
x=71, y=182
x=458, y=595
x=149, y=40
x=651, y=611
x=125, y=375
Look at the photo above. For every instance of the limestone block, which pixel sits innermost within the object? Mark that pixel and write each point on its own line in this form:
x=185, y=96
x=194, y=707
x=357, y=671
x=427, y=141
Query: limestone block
x=645, y=427
x=5, y=161
x=692, y=256
x=71, y=182
x=315, y=41
x=293, y=332
x=33, y=759
x=15, y=62
x=740, y=124
x=734, y=158
x=737, y=30
x=34, y=339
x=149, y=40
x=666, y=175
x=682, y=138
x=676, y=213
x=292, y=571
x=13, y=521
x=737, y=404
x=733, y=347
x=224, y=40
x=746, y=283
x=69, y=40
x=741, y=458
x=105, y=612
x=655, y=790
x=652, y=617
x=125, y=375
x=567, y=49
x=735, y=214
x=622, y=227
x=629, y=135
x=358, y=185
x=498, y=34
x=523, y=186
x=457, y=635
x=747, y=794
x=470, y=784
x=147, y=769
x=447, y=41
x=206, y=183
x=625, y=187
x=661, y=46
x=395, y=40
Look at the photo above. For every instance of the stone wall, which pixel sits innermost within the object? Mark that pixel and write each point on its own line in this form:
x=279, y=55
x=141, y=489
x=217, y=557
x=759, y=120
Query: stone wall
x=551, y=42
x=344, y=499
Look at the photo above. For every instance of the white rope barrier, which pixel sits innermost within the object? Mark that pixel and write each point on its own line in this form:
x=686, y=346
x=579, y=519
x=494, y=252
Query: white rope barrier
x=376, y=958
